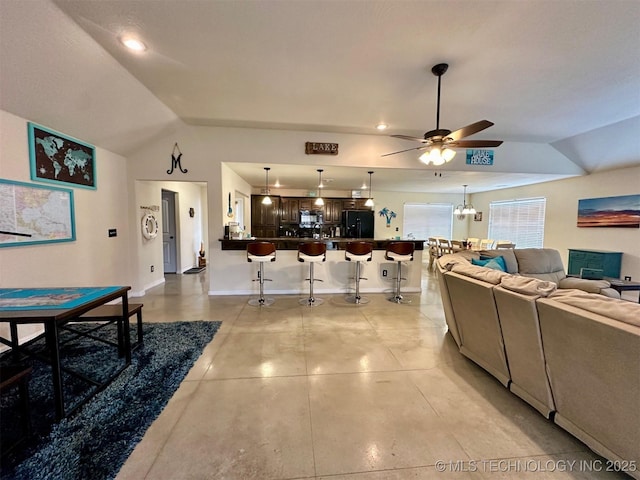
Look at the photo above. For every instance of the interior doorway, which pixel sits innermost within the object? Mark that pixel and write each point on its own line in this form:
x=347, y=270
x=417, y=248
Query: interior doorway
x=169, y=237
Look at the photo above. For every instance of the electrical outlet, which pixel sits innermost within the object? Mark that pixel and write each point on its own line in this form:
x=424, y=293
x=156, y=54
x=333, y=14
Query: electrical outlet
x=627, y=278
x=152, y=268
x=384, y=272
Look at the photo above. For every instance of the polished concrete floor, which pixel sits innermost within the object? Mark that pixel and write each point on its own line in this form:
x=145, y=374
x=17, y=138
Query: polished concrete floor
x=339, y=391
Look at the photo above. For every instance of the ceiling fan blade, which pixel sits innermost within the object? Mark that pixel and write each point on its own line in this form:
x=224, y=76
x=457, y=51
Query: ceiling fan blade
x=406, y=137
x=402, y=151
x=469, y=130
x=474, y=143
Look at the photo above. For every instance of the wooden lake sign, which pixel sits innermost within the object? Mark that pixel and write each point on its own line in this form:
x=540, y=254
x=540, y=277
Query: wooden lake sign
x=318, y=148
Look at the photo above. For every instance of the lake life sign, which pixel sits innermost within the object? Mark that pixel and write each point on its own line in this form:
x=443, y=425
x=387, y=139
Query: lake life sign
x=318, y=148
x=479, y=157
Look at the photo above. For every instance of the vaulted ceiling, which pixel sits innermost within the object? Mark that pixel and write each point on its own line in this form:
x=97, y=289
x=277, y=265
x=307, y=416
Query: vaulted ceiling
x=563, y=74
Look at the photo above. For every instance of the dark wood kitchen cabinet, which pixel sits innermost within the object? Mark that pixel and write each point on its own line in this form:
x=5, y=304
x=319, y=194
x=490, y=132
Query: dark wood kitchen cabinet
x=354, y=204
x=265, y=219
x=332, y=210
x=290, y=208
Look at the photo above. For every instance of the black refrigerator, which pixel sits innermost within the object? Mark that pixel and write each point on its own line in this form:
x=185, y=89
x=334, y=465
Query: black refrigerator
x=357, y=223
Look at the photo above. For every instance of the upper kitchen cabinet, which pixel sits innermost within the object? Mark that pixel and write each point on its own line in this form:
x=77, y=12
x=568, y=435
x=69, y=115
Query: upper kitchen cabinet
x=354, y=204
x=332, y=210
x=290, y=208
x=265, y=219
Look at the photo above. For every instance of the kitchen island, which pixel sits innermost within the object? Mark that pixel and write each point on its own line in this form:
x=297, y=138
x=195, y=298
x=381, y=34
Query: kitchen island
x=288, y=275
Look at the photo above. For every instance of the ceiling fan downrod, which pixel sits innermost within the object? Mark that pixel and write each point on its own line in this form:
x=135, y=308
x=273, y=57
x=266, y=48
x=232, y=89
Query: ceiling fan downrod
x=439, y=70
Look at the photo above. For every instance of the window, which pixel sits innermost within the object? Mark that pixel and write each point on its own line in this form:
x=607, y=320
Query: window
x=520, y=221
x=424, y=220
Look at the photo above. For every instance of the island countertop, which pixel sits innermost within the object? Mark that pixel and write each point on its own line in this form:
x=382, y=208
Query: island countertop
x=333, y=243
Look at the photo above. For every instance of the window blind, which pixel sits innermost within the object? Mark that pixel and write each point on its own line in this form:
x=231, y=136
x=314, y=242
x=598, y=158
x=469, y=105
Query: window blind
x=520, y=221
x=425, y=220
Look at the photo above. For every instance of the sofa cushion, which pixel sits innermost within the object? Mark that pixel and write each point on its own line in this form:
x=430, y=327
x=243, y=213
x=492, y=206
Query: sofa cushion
x=508, y=255
x=446, y=262
x=496, y=263
x=591, y=286
x=527, y=285
x=620, y=310
x=479, y=273
x=538, y=260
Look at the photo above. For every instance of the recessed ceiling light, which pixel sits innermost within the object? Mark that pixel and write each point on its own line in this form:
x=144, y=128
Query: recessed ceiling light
x=133, y=44
x=382, y=126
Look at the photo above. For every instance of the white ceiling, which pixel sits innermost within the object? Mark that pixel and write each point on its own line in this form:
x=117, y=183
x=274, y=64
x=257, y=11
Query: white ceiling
x=564, y=74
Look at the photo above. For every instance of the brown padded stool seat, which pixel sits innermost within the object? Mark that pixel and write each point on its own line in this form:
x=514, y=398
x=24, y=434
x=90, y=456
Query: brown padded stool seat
x=399, y=252
x=261, y=252
x=358, y=252
x=312, y=252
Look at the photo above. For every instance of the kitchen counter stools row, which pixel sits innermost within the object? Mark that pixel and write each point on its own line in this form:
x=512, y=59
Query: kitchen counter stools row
x=314, y=252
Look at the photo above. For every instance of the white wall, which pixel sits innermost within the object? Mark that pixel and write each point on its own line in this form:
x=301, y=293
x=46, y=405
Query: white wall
x=561, y=231
x=94, y=258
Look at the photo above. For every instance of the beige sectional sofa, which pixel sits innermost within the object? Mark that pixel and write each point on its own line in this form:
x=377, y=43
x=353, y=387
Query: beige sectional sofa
x=569, y=347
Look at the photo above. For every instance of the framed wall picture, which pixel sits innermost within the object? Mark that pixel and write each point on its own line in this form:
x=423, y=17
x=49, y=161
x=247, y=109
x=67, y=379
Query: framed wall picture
x=622, y=211
x=56, y=158
x=477, y=217
x=32, y=213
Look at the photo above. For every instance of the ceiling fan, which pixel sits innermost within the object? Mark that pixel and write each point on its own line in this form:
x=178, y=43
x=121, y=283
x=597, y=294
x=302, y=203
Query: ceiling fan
x=440, y=142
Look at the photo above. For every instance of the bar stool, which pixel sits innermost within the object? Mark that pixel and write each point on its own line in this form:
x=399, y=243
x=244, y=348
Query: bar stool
x=312, y=252
x=261, y=252
x=358, y=252
x=399, y=252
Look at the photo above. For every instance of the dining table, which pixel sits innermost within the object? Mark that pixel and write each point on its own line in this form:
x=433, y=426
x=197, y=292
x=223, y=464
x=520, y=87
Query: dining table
x=55, y=308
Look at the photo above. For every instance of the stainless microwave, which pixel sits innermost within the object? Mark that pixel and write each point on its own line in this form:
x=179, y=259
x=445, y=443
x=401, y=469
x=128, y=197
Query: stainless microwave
x=310, y=218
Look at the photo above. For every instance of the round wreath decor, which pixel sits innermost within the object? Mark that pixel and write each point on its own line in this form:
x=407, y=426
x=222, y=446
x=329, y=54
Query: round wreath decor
x=149, y=226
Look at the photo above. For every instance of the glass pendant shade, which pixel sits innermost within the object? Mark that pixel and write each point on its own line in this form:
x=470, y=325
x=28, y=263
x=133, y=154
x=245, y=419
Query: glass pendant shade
x=437, y=156
x=464, y=208
x=319, y=201
x=369, y=202
x=267, y=199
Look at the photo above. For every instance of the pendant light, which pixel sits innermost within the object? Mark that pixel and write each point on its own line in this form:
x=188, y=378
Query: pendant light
x=464, y=208
x=369, y=202
x=267, y=199
x=319, y=201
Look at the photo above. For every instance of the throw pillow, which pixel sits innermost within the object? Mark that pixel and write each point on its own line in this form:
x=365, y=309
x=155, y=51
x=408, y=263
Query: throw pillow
x=496, y=263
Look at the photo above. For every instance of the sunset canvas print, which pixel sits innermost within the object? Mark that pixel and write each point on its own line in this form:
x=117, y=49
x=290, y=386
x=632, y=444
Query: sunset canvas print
x=623, y=211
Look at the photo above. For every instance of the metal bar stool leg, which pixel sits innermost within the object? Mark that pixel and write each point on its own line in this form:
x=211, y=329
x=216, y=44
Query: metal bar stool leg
x=357, y=298
x=261, y=301
x=397, y=297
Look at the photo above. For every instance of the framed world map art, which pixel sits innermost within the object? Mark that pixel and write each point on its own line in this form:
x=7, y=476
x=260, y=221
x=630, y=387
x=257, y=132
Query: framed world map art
x=57, y=158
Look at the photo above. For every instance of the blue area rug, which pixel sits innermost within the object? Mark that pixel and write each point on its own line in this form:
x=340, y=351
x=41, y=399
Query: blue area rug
x=94, y=442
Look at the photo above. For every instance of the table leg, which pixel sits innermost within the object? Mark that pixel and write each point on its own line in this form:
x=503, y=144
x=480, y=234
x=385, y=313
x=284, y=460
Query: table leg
x=13, y=327
x=125, y=324
x=51, y=332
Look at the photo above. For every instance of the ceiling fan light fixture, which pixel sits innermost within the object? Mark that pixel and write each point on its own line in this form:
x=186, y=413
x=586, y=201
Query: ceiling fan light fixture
x=437, y=156
x=448, y=154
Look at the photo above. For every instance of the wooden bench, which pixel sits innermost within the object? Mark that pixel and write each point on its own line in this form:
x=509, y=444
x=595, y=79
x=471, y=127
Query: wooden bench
x=18, y=376
x=112, y=313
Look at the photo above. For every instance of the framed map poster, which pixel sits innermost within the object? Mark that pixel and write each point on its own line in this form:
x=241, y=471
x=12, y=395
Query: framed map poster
x=57, y=158
x=32, y=214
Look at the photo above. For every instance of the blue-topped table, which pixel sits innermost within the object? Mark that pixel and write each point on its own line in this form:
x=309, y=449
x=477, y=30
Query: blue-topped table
x=55, y=307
